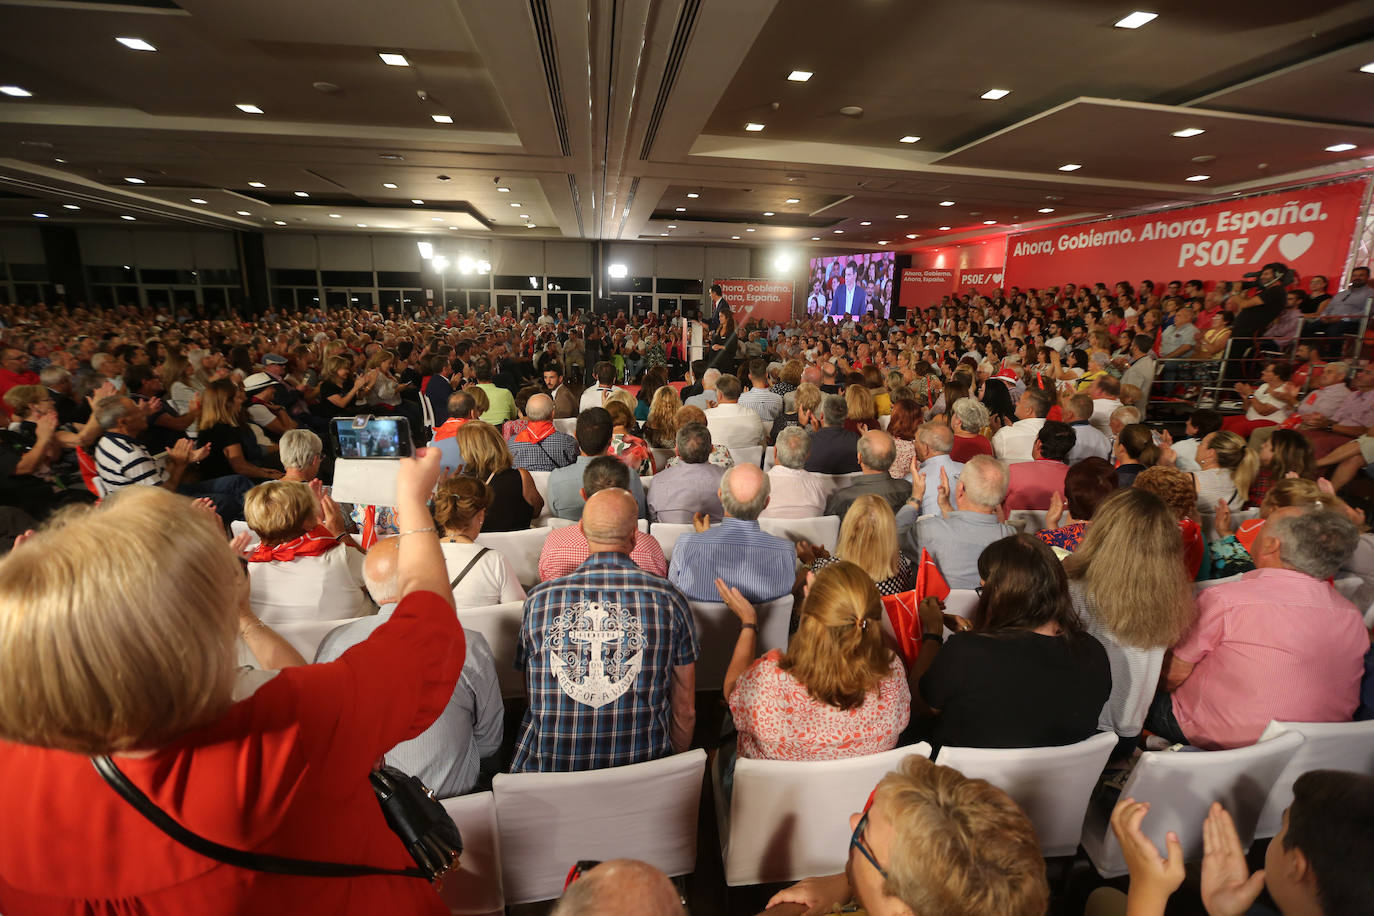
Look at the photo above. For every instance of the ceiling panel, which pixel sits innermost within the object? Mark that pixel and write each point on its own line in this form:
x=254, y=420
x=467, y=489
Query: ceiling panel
x=1330, y=87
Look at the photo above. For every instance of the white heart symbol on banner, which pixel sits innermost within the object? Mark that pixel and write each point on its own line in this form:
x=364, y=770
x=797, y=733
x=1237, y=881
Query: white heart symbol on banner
x=1293, y=244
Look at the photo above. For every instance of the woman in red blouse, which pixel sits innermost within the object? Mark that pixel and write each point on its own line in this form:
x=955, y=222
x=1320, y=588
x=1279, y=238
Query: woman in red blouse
x=117, y=636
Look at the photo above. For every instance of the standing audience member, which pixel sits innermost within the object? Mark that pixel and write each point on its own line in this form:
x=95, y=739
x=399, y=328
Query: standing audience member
x=795, y=491
x=446, y=755
x=1028, y=675
x=565, y=548
x=710, y=553
x=628, y=695
x=1279, y=644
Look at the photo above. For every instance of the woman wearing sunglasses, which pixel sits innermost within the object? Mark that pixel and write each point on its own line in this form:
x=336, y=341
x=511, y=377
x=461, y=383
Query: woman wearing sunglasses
x=931, y=841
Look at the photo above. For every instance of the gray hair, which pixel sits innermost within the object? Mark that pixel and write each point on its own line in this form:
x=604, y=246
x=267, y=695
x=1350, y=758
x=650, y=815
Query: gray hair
x=539, y=408
x=973, y=416
x=110, y=410
x=694, y=443
x=708, y=379
x=1100, y=357
x=985, y=481
x=876, y=450
x=834, y=410
x=53, y=376
x=937, y=437
x=1316, y=542
x=299, y=447
x=793, y=447
x=746, y=510
x=1127, y=415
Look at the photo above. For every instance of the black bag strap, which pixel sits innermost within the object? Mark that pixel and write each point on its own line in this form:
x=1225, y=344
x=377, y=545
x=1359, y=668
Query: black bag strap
x=253, y=861
x=467, y=569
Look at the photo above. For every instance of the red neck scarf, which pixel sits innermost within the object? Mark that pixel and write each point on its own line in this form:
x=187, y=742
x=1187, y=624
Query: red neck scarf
x=536, y=432
x=314, y=543
x=449, y=429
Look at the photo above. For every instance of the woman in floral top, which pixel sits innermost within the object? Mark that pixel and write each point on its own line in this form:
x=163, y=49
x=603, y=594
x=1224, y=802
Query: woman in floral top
x=1085, y=485
x=630, y=449
x=837, y=692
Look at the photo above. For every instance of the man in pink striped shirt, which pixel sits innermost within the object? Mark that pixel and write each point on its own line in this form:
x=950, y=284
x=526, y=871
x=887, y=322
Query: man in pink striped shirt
x=1279, y=644
x=566, y=548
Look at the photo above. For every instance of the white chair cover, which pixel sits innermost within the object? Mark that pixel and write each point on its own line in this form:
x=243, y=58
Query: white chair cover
x=500, y=624
x=718, y=631
x=474, y=887
x=522, y=548
x=824, y=529
x=1326, y=746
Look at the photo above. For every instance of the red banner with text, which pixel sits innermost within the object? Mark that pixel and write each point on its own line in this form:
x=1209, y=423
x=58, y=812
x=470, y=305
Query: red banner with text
x=980, y=279
x=923, y=287
x=770, y=300
x=1309, y=229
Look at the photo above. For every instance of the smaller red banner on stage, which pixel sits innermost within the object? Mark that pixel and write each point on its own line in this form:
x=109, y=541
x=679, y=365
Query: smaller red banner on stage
x=770, y=300
x=923, y=287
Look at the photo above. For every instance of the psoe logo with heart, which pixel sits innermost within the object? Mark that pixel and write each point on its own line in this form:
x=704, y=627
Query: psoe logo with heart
x=1293, y=245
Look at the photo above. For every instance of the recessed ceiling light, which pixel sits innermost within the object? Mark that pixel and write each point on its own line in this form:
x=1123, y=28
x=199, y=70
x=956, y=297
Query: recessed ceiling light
x=442, y=119
x=672, y=225
x=866, y=223
x=882, y=243
x=524, y=216
x=908, y=139
x=734, y=237
x=504, y=190
x=129, y=218
x=436, y=219
x=767, y=212
x=839, y=232
x=517, y=205
x=248, y=109
x=336, y=216
x=393, y=59
x=911, y=235
x=21, y=93
x=815, y=238
x=679, y=209
x=530, y=226
x=256, y=184
x=453, y=227
x=1367, y=68
x=135, y=44
x=1135, y=20
x=752, y=125
x=279, y=222
x=946, y=203
x=361, y=225
x=199, y=200
x=793, y=200
x=1046, y=210
x=995, y=94
x=799, y=76
x=1189, y=132
x=944, y=228
x=750, y=229
x=243, y=213
x=135, y=181
x=389, y=184
x=70, y=207
x=1340, y=147
x=693, y=195
x=663, y=235
x=416, y=200
x=41, y=215
x=1070, y=167
x=302, y=194
x=989, y=222
x=60, y=160
x=901, y=216
x=1197, y=177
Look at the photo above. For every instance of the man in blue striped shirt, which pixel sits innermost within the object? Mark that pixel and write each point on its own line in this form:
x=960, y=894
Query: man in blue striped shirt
x=760, y=565
x=609, y=653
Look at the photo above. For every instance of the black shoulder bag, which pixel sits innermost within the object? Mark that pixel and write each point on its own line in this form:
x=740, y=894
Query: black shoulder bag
x=411, y=810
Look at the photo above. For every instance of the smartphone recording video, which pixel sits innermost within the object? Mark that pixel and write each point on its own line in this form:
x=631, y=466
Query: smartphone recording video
x=373, y=437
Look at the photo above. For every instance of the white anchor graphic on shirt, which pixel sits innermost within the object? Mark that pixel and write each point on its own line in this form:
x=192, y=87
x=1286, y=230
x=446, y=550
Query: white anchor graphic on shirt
x=590, y=652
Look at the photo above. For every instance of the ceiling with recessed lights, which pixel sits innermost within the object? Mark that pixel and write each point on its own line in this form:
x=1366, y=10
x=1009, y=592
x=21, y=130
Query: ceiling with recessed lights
x=760, y=121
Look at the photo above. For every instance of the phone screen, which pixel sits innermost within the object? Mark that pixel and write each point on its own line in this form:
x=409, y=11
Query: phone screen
x=385, y=437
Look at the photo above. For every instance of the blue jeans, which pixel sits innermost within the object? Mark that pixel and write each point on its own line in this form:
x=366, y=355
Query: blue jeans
x=1160, y=720
x=225, y=492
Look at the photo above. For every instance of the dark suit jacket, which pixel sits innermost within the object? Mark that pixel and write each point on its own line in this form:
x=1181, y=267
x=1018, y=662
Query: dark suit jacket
x=893, y=489
x=834, y=450
x=860, y=301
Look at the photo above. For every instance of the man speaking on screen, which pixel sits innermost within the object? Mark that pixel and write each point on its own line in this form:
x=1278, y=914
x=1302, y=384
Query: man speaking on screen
x=849, y=299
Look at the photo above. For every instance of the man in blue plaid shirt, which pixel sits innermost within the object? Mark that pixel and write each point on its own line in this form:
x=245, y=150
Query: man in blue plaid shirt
x=609, y=654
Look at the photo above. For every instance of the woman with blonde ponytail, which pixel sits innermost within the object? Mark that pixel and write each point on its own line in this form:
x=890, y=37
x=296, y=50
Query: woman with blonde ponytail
x=837, y=692
x=1228, y=467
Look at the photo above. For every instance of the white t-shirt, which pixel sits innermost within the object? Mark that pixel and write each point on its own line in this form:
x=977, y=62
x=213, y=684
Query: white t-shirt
x=1263, y=396
x=327, y=587
x=492, y=579
x=1214, y=484
x=1135, y=672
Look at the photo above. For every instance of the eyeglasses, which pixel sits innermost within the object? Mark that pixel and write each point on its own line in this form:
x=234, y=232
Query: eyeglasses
x=856, y=840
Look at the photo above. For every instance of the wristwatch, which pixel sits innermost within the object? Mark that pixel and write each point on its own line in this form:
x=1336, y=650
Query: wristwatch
x=937, y=638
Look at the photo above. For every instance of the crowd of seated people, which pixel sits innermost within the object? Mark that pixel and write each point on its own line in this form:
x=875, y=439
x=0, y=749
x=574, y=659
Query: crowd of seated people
x=946, y=441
